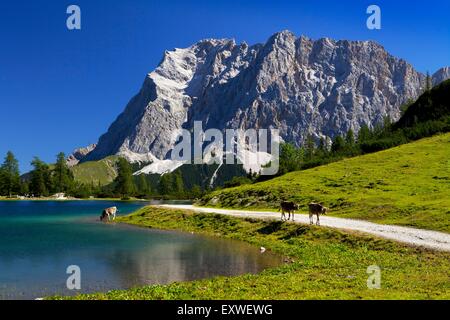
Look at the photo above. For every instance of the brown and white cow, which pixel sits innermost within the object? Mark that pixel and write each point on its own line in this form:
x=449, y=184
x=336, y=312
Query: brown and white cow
x=109, y=213
x=289, y=207
x=316, y=209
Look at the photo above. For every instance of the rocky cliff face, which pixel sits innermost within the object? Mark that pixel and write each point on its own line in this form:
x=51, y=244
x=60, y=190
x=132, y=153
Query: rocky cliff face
x=297, y=85
x=79, y=154
x=441, y=75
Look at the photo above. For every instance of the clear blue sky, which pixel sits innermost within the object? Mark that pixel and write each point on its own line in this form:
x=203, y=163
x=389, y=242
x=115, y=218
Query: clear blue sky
x=61, y=89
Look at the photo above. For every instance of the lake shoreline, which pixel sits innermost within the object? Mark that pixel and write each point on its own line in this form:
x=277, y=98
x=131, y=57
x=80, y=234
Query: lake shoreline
x=323, y=263
x=75, y=199
x=52, y=235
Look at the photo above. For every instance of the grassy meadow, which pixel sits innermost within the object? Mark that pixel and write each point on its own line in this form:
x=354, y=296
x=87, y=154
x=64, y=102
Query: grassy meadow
x=100, y=172
x=321, y=263
x=407, y=185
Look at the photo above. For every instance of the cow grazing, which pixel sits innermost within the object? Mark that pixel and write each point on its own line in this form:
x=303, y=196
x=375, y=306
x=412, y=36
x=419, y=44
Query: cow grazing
x=289, y=207
x=316, y=209
x=109, y=213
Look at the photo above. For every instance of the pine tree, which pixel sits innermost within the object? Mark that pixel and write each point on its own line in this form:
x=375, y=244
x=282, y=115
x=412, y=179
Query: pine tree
x=165, y=184
x=10, y=176
x=40, y=184
x=310, y=147
x=143, y=186
x=124, y=184
x=350, y=141
x=62, y=176
x=322, y=148
x=2, y=183
x=291, y=158
x=387, y=124
x=350, y=138
x=364, y=134
x=178, y=185
x=24, y=188
x=338, y=144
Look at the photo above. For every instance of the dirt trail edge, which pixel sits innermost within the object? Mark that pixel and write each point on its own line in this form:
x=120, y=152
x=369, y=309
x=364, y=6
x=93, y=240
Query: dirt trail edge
x=417, y=237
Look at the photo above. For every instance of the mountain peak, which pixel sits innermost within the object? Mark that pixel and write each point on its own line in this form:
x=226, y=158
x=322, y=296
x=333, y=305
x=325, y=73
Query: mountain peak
x=298, y=85
x=283, y=34
x=281, y=38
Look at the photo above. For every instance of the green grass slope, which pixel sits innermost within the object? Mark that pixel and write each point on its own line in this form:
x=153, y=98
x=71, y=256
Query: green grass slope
x=407, y=185
x=102, y=171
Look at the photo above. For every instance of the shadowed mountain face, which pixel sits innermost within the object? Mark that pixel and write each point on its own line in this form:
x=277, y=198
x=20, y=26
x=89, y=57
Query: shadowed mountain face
x=433, y=105
x=297, y=85
x=441, y=75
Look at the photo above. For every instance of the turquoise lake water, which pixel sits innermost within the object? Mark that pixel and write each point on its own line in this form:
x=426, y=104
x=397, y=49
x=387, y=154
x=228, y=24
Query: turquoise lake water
x=40, y=239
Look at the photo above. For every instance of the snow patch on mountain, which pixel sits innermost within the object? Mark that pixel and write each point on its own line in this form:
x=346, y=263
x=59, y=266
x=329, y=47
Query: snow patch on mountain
x=160, y=167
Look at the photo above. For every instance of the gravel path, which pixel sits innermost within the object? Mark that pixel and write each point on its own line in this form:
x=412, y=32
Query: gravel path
x=418, y=237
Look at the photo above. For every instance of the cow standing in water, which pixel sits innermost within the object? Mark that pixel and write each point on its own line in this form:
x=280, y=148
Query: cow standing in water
x=109, y=213
x=289, y=207
x=316, y=209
